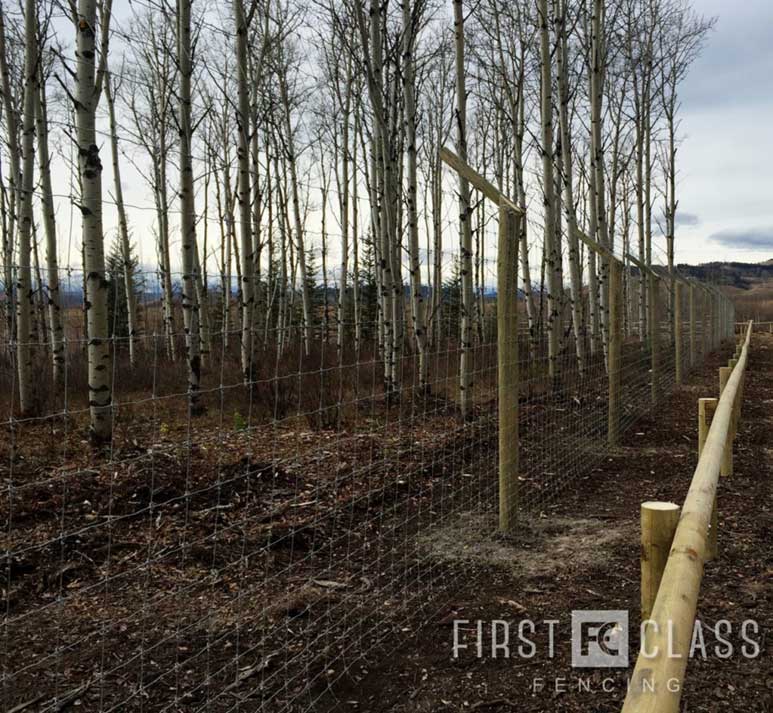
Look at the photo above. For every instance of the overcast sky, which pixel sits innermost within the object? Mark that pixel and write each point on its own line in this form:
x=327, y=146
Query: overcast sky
x=725, y=182
x=725, y=188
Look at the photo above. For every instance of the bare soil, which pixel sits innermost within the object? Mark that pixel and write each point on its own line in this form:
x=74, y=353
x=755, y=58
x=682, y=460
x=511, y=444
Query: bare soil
x=584, y=555
x=297, y=568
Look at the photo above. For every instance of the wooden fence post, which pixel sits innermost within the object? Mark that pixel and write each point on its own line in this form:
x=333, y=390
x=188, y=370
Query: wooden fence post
x=678, y=332
x=654, y=329
x=658, y=525
x=507, y=335
x=706, y=409
x=692, y=326
x=614, y=365
x=727, y=457
x=507, y=366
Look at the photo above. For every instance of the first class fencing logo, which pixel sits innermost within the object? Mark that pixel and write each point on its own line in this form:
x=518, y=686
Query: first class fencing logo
x=599, y=638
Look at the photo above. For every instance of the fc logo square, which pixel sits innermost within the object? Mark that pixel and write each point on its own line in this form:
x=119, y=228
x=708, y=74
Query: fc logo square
x=599, y=638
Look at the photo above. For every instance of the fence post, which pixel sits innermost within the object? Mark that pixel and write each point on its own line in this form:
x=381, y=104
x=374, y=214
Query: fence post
x=507, y=367
x=614, y=351
x=706, y=325
x=692, y=326
x=678, y=332
x=706, y=409
x=658, y=525
x=738, y=399
x=654, y=335
x=727, y=456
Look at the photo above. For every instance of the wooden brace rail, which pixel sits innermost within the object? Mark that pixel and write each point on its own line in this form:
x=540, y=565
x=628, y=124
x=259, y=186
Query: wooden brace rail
x=656, y=685
x=507, y=337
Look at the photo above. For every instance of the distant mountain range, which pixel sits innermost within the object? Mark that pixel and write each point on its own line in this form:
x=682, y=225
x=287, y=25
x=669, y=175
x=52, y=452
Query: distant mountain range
x=741, y=275
x=735, y=274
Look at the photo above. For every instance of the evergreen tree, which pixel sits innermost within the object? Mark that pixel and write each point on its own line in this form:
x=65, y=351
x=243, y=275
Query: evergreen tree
x=368, y=292
x=452, y=300
x=315, y=293
x=117, y=309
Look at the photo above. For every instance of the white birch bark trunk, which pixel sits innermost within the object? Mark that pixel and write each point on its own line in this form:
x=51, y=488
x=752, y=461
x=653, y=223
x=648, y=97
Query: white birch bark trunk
x=164, y=256
x=14, y=179
x=202, y=298
x=409, y=93
x=642, y=283
x=260, y=296
x=56, y=326
x=523, y=241
x=188, y=208
x=245, y=189
x=437, y=251
x=381, y=193
x=465, y=229
x=24, y=291
x=123, y=227
x=568, y=183
x=297, y=219
x=89, y=80
x=356, y=244
x=343, y=204
x=598, y=189
x=552, y=249
x=41, y=327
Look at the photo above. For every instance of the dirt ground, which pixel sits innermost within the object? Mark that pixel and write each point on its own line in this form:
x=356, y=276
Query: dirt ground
x=290, y=569
x=584, y=555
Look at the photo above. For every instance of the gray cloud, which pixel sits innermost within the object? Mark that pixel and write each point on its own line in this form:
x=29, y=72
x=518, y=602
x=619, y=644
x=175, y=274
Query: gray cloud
x=683, y=218
x=738, y=55
x=745, y=239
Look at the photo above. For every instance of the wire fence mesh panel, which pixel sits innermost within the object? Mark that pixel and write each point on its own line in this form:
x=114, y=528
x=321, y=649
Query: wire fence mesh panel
x=271, y=371
x=251, y=554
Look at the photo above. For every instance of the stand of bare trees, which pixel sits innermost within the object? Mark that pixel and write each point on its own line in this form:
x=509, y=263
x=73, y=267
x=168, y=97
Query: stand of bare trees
x=570, y=106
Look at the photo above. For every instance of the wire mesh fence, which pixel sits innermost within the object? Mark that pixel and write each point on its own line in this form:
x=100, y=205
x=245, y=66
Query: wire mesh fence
x=251, y=556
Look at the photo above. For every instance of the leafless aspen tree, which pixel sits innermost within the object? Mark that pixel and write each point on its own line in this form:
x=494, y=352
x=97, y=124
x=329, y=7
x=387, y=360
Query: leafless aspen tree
x=465, y=217
x=680, y=39
x=187, y=206
x=597, y=69
x=289, y=144
x=49, y=223
x=123, y=226
x=24, y=289
x=14, y=179
x=242, y=21
x=411, y=18
x=89, y=83
x=560, y=10
x=152, y=124
x=551, y=239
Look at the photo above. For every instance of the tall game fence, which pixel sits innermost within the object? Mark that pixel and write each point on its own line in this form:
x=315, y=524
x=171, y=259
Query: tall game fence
x=251, y=557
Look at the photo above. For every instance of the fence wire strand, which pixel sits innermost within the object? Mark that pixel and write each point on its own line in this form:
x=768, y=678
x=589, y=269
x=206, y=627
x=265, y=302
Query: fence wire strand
x=259, y=555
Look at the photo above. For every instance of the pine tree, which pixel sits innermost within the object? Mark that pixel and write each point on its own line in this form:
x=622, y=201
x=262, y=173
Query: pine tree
x=368, y=289
x=117, y=306
x=452, y=300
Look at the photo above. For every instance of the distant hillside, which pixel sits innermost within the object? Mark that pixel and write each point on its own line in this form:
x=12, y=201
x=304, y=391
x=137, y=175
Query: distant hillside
x=741, y=275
